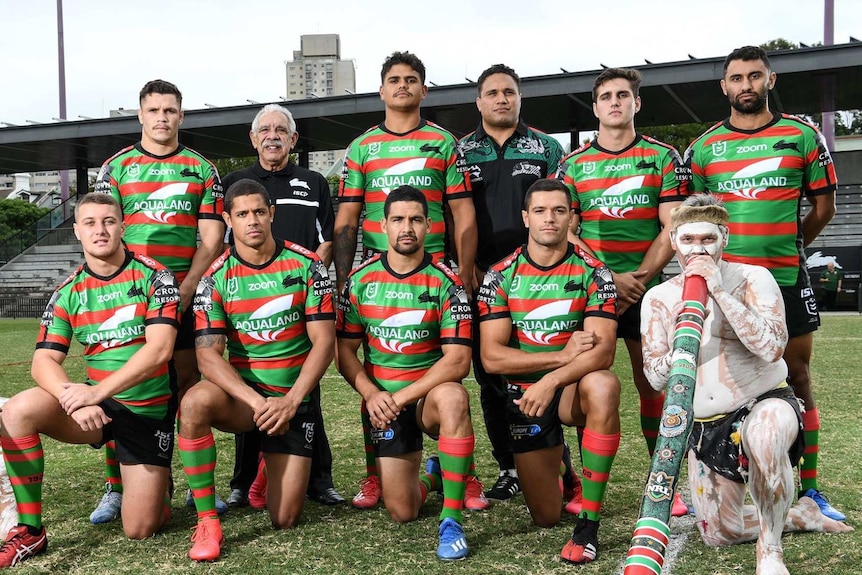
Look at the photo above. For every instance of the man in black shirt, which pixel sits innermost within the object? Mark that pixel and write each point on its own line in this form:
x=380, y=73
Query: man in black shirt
x=303, y=215
x=504, y=157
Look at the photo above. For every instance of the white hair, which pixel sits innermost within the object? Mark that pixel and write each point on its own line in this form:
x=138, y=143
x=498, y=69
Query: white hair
x=255, y=124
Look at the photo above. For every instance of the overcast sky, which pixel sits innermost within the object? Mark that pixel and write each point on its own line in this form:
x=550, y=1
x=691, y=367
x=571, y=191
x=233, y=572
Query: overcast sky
x=223, y=52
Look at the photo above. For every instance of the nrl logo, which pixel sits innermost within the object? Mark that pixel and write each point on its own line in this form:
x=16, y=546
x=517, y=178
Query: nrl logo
x=374, y=149
x=719, y=148
x=134, y=171
x=589, y=168
x=232, y=286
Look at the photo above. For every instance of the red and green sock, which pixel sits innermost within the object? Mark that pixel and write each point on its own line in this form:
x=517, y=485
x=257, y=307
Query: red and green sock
x=456, y=455
x=112, y=467
x=808, y=464
x=25, y=465
x=370, y=460
x=598, y=452
x=650, y=419
x=199, y=460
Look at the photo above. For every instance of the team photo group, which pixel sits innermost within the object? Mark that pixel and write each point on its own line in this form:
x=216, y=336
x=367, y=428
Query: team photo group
x=206, y=303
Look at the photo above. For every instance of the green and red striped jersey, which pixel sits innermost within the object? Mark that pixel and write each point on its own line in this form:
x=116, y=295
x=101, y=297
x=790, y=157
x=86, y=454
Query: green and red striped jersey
x=546, y=304
x=379, y=161
x=617, y=197
x=761, y=176
x=162, y=198
x=404, y=319
x=263, y=311
x=109, y=317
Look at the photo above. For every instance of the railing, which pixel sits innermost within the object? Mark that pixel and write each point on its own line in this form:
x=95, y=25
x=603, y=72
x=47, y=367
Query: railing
x=22, y=307
x=16, y=244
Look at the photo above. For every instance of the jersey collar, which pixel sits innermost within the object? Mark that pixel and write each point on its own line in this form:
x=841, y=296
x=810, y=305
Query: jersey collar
x=426, y=261
x=261, y=172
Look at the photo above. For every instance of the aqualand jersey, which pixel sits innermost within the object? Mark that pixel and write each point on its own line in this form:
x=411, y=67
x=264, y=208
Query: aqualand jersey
x=109, y=317
x=761, y=176
x=617, y=196
x=162, y=198
x=263, y=310
x=500, y=177
x=546, y=304
x=404, y=319
x=379, y=161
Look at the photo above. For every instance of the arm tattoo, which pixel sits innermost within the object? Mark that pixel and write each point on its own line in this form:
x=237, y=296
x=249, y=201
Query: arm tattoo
x=207, y=341
x=345, y=249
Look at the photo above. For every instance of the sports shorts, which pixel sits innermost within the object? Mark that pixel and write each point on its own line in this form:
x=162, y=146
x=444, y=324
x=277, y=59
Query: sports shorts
x=532, y=433
x=138, y=439
x=403, y=436
x=800, y=306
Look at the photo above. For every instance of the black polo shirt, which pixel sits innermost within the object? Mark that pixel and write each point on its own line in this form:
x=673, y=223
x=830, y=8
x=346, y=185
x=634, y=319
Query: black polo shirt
x=500, y=177
x=303, y=205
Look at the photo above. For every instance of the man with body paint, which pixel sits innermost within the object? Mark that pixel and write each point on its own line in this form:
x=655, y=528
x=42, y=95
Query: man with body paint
x=746, y=416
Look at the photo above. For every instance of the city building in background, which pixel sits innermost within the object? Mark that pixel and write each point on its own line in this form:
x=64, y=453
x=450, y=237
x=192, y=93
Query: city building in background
x=316, y=71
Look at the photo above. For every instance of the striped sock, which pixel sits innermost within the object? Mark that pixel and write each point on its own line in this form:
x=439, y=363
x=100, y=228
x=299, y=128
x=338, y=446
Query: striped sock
x=112, y=467
x=808, y=463
x=429, y=482
x=650, y=419
x=199, y=460
x=455, y=457
x=598, y=453
x=25, y=465
x=370, y=460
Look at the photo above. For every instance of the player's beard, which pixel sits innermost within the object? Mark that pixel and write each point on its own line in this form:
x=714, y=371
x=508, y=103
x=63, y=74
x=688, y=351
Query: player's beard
x=407, y=250
x=751, y=107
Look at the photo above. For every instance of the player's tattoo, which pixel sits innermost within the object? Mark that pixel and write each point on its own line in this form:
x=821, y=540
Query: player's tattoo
x=206, y=341
x=345, y=249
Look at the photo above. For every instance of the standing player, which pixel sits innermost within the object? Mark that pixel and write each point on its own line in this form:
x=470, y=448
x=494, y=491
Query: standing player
x=761, y=164
x=748, y=429
x=123, y=308
x=411, y=315
x=404, y=149
x=270, y=305
x=169, y=194
x=504, y=156
x=303, y=215
x=548, y=318
x=623, y=186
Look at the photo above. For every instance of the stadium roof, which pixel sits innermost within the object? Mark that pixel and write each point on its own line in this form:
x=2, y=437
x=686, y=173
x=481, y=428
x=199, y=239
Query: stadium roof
x=672, y=93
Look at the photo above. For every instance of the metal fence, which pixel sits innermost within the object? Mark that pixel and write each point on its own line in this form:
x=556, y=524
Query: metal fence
x=22, y=307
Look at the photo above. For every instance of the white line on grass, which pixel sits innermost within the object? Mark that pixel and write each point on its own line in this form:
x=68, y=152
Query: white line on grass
x=681, y=528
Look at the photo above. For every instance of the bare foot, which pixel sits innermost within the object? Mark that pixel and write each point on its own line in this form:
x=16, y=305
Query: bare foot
x=806, y=516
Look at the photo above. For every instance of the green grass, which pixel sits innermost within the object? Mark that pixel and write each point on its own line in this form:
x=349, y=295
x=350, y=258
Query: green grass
x=502, y=540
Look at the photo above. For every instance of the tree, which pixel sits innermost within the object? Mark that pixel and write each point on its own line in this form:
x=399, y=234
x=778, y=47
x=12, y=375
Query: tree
x=18, y=215
x=228, y=165
x=677, y=135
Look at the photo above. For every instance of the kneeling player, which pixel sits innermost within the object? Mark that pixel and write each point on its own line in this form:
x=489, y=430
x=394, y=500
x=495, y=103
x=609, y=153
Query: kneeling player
x=412, y=317
x=124, y=310
x=270, y=303
x=548, y=326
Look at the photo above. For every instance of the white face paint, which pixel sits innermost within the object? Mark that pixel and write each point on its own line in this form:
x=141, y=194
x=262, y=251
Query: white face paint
x=699, y=238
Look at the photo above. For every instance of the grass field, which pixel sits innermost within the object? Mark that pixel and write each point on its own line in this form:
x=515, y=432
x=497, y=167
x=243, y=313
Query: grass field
x=502, y=540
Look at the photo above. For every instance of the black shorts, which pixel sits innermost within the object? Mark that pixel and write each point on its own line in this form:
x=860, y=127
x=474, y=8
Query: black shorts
x=138, y=439
x=629, y=323
x=299, y=438
x=186, y=333
x=801, y=308
x=713, y=445
x=532, y=433
x=403, y=436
